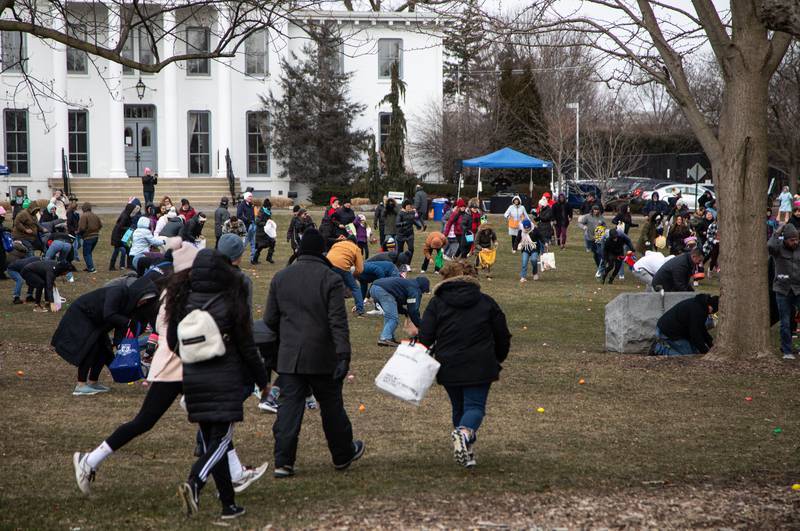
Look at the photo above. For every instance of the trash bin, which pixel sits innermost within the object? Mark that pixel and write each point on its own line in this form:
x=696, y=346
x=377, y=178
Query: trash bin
x=438, y=208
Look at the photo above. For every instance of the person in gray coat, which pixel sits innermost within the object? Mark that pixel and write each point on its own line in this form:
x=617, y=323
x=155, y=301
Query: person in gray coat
x=421, y=205
x=784, y=246
x=305, y=308
x=221, y=215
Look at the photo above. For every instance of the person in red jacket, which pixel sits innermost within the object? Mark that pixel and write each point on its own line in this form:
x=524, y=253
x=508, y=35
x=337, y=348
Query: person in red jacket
x=454, y=229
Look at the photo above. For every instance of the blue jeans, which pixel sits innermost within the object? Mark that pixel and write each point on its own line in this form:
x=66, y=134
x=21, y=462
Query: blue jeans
x=60, y=248
x=251, y=239
x=148, y=197
x=673, y=347
x=350, y=282
x=787, y=305
x=533, y=258
x=18, y=282
x=597, y=252
x=469, y=404
x=75, y=246
x=122, y=252
x=88, y=249
x=389, y=307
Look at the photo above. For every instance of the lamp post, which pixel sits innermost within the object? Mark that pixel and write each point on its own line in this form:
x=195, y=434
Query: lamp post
x=577, y=106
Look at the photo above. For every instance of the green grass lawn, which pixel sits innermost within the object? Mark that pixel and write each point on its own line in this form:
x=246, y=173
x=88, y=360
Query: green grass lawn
x=640, y=432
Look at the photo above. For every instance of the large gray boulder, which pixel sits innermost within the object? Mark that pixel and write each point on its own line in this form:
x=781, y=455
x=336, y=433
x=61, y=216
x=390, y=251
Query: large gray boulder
x=631, y=319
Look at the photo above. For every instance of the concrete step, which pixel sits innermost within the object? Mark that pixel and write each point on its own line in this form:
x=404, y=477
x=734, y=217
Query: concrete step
x=113, y=192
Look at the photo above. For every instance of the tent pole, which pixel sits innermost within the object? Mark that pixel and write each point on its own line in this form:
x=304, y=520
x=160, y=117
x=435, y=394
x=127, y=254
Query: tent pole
x=552, y=183
x=478, y=190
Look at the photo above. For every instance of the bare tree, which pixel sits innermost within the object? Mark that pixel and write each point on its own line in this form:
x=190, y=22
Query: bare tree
x=784, y=117
x=610, y=148
x=653, y=39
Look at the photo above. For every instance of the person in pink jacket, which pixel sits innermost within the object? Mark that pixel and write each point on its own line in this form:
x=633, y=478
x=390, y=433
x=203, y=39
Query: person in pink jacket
x=165, y=379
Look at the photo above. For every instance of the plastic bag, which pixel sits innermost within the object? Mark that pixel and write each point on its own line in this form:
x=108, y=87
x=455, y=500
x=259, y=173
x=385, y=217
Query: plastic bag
x=409, y=373
x=548, y=261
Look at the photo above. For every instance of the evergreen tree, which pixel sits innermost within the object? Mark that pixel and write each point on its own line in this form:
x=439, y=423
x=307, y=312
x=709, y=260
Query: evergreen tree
x=521, y=123
x=395, y=147
x=463, y=42
x=311, y=123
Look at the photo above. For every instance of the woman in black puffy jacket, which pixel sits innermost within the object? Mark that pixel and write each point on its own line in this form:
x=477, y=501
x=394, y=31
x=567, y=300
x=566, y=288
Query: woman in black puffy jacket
x=214, y=388
x=468, y=334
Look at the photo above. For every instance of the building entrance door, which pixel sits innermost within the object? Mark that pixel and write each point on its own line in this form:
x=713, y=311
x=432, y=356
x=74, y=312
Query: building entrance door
x=140, y=139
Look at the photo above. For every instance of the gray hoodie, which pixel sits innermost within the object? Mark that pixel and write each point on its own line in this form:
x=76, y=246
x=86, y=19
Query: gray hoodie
x=588, y=223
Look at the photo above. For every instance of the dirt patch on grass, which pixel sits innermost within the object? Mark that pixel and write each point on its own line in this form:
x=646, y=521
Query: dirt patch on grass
x=657, y=507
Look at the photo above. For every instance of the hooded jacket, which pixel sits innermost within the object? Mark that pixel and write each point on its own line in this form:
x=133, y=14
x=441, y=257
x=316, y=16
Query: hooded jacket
x=124, y=221
x=457, y=221
x=192, y=229
x=421, y=203
x=26, y=227
x=687, y=320
x=44, y=272
x=589, y=223
x=407, y=294
x=214, y=388
x=87, y=321
x=434, y=242
x=172, y=227
x=143, y=238
x=787, y=264
x=466, y=331
x=515, y=212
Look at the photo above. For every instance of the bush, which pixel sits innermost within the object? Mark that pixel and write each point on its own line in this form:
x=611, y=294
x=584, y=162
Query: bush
x=277, y=202
x=321, y=195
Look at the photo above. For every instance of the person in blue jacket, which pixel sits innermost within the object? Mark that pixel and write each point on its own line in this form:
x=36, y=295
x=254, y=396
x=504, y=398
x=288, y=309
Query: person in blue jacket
x=374, y=271
x=398, y=295
x=245, y=213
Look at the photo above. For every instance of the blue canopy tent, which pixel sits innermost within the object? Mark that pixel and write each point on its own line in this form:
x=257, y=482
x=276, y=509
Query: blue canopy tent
x=508, y=158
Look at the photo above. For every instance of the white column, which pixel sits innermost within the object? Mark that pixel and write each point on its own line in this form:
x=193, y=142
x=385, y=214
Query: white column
x=59, y=116
x=223, y=117
x=168, y=114
x=116, y=110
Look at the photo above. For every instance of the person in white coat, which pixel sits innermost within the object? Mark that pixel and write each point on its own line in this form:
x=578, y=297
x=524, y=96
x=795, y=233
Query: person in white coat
x=515, y=214
x=647, y=266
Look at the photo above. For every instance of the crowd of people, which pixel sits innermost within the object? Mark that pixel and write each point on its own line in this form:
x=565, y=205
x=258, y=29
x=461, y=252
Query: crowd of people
x=173, y=281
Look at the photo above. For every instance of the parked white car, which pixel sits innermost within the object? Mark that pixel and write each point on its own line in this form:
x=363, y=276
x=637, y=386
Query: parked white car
x=687, y=191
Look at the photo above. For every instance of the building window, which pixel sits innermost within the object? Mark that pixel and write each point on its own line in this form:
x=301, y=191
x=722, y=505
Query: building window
x=256, y=54
x=385, y=119
x=78, y=130
x=198, y=40
x=137, y=48
x=16, y=127
x=14, y=51
x=257, y=143
x=389, y=52
x=199, y=143
x=77, y=60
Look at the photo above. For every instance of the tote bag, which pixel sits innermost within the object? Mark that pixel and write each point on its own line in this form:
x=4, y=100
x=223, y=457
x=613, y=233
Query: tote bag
x=409, y=373
x=548, y=261
x=127, y=364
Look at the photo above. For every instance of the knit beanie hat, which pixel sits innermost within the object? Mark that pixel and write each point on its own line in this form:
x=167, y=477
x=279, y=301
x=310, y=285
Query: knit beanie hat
x=424, y=284
x=789, y=231
x=460, y=203
x=231, y=246
x=526, y=224
x=312, y=243
x=183, y=258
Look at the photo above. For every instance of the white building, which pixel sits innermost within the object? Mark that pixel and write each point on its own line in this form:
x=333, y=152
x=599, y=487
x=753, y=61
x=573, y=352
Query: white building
x=190, y=114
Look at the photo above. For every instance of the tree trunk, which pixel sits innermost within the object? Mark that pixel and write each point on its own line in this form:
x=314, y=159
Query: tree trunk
x=741, y=172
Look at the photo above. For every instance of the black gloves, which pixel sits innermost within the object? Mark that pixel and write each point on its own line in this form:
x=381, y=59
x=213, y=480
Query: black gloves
x=341, y=370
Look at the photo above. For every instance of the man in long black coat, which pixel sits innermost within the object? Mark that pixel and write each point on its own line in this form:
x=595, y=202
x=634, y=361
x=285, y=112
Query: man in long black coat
x=305, y=308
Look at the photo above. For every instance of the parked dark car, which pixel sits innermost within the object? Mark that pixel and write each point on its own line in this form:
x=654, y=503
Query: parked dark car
x=578, y=190
x=619, y=191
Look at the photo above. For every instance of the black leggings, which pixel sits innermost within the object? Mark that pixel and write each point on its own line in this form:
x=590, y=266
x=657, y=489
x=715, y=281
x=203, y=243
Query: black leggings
x=216, y=441
x=612, y=268
x=515, y=241
x=159, y=398
x=91, y=365
x=463, y=247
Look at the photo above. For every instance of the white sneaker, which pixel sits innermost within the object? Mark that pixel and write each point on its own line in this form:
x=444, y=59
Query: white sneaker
x=789, y=357
x=536, y=277
x=84, y=474
x=249, y=476
x=513, y=251
x=597, y=275
x=523, y=279
x=423, y=271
